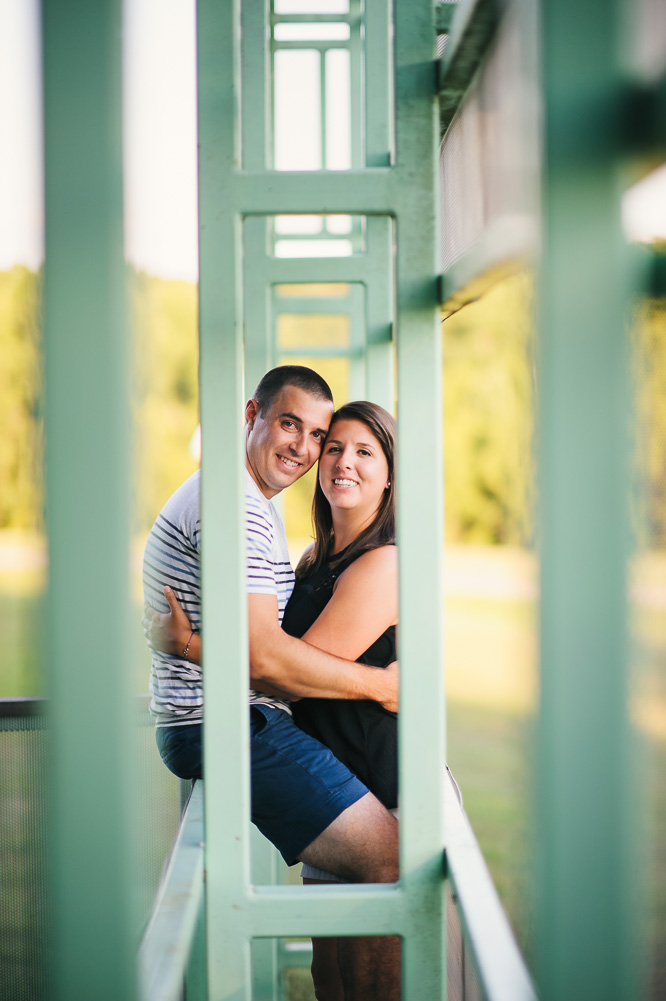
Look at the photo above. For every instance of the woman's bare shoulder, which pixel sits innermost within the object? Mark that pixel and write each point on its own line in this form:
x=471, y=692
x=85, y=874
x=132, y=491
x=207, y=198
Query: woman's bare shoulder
x=383, y=560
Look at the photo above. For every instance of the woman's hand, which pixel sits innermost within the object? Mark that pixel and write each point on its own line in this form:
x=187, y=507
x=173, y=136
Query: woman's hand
x=169, y=631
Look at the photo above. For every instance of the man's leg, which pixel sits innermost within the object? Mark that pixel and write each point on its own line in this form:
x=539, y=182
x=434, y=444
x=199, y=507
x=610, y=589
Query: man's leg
x=312, y=808
x=362, y=845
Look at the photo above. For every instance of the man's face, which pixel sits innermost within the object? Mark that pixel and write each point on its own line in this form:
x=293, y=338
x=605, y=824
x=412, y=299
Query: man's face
x=285, y=441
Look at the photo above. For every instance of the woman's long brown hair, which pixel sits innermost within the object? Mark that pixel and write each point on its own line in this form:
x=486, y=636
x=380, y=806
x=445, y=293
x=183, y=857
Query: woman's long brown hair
x=382, y=530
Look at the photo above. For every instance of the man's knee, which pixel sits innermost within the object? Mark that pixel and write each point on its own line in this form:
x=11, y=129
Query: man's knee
x=360, y=845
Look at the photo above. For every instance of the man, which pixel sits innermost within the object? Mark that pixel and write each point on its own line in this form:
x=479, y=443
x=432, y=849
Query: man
x=304, y=800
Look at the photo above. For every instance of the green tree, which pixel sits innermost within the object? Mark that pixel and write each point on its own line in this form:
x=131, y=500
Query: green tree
x=21, y=401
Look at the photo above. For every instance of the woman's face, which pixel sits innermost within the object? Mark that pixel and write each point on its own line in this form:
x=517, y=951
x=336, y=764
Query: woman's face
x=353, y=471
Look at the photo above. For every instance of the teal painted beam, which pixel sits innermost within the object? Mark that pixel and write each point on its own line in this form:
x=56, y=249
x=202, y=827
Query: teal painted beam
x=347, y=909
x=379, y=137
x=224, y=606
x=94, y=925
x=168, y=939
x=380, y=308
x=420, y=507
x=586, y=924
x=256, y=107
x=259, y=342
x=375, y=191
x=496, y=957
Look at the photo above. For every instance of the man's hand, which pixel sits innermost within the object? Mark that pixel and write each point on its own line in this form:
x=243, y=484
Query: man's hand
x=391, y=675
x=168, y=631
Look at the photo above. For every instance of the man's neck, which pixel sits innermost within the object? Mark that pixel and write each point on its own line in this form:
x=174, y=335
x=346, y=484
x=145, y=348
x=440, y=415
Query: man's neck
x=261, y=487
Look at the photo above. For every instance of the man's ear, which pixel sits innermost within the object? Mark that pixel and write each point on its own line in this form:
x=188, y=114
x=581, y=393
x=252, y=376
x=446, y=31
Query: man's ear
x=251, y=411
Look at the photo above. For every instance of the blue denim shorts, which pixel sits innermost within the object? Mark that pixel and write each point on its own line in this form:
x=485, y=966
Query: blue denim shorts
x=298, y=787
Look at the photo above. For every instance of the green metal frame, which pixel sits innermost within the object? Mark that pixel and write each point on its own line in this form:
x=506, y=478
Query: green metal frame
x=585, y=745
x=415, y=908
x=93, y=921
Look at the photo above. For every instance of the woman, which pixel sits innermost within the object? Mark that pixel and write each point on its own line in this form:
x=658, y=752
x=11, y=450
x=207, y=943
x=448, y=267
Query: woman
x=353, y=516
x=345, y=601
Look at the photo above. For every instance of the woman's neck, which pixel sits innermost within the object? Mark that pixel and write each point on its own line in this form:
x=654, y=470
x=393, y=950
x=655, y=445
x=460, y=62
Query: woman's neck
x=346, y=528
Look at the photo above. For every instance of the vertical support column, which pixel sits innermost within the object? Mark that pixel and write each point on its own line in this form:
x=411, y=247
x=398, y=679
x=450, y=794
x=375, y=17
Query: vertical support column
x=356, y=85
x=583, y=782
x=357, y=334
x=379, y=313
x=378, y=147
x=420, y=510
x=223, y=534
x=378, y=84
x=88, y=470
x=259, y=333
x=256, y=117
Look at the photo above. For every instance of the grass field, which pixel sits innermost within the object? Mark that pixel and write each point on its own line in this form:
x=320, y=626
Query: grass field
x=492, y=683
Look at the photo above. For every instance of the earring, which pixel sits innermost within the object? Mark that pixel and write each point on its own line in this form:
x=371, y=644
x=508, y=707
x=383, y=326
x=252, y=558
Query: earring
x=388, y=484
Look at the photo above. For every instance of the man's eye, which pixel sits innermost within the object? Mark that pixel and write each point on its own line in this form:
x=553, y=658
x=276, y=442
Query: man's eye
x=288, y=425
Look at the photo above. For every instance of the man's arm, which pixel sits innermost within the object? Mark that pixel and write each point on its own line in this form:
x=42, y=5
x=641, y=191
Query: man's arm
x=297, y=669
x=364, y=605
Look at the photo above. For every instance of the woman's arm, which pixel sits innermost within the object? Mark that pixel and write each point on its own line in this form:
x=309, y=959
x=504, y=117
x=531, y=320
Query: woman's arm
x=363, y=606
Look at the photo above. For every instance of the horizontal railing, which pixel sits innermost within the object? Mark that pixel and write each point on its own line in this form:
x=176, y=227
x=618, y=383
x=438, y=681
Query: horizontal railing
x=499, y=968
x=168, y=939
x=488, y=941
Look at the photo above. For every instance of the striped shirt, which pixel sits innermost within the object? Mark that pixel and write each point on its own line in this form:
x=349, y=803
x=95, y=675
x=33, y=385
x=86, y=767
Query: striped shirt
x=172, y=557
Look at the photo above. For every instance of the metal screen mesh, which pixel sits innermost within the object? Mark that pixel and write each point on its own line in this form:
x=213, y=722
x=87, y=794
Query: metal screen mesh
x=489, y=158
x=24, y=938
x=23, y=834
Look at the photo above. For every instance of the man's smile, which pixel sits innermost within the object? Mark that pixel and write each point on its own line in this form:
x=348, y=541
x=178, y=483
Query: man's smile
x=288, y=462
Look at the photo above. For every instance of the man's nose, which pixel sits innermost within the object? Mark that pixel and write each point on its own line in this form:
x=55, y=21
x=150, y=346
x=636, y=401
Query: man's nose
x=299, y=444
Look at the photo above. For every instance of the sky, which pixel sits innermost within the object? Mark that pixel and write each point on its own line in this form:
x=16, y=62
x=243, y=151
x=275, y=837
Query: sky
x=159, y=141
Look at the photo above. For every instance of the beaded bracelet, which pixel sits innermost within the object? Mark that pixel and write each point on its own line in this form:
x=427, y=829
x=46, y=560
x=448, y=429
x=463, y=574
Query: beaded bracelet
x=187, y=646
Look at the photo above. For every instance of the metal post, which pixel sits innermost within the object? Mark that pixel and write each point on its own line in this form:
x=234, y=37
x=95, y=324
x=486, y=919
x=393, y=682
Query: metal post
x=93, y=922
x=420, y=510
x=583, y=781
x=223, y=571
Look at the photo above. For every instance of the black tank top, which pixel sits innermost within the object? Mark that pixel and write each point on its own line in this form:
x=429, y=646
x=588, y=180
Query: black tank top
x=361, y=734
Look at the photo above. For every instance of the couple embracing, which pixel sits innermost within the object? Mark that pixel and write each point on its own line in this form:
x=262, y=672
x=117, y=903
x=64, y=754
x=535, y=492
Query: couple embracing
x=322, y=716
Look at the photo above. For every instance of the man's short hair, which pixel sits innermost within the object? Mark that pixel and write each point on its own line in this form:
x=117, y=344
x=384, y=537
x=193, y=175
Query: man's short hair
x=299, y=376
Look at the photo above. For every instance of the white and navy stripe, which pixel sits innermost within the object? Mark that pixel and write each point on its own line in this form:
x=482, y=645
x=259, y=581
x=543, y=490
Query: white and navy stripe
x=268, y=568
x=172, y=557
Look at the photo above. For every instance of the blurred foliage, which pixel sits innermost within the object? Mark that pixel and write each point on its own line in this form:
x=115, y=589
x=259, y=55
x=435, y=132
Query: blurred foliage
x=489, y=398
x=21, y=400
x=165, y=390
x=489, y=403
x=648, y=357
